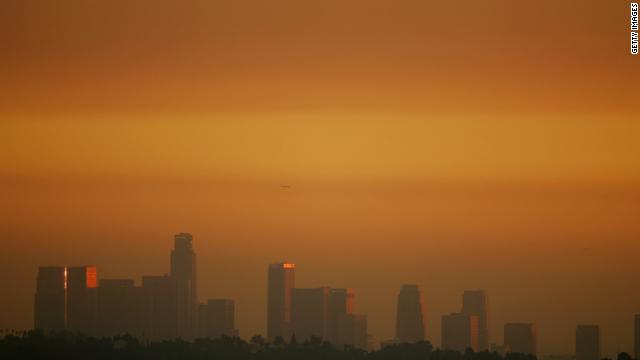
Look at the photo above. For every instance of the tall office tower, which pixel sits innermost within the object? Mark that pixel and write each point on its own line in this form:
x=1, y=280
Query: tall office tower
x=120, y=308
x=587, y=342
x=281, y=280
x=50, y=298
x=218, y=318
x=521, y=338
x=637, y=336
x=340, y=304
x=460, y=331
x=161, y=303
x=309, y=312
x=82, y=300
x=410, y=319
x=475, y=303
x=183, y=269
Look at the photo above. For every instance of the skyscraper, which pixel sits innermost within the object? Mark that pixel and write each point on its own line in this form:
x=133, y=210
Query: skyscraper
x=354, y=331
x=341, y=304
x=521, y=337
x=637, y=336
x=50, y=298
x=82, y=299
x=460, y=332
x=474, y=302
x=309, y=312
x=120, y=308
x=410, y=320
x=219, y=318
x=183, y=269
x=281, y=280
x=587, y=342
x=161, y=296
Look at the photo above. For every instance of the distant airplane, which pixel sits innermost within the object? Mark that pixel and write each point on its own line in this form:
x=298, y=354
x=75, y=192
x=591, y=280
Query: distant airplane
x=284, y=187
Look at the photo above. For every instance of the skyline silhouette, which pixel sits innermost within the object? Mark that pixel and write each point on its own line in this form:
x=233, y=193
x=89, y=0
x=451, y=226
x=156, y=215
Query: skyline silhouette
x=454, y=146
x=166, y=307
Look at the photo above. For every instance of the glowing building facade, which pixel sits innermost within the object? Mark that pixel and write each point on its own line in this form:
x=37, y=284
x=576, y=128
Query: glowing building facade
x=66, y=298
x=281, y=280
x=475, y=302
x=340, y=304
x=82, y=299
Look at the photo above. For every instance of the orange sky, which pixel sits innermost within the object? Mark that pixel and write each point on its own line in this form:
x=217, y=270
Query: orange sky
x=457, y=145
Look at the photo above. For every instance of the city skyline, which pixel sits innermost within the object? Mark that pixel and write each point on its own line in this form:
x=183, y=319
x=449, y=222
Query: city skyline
x=455, y=146
x=75, y=298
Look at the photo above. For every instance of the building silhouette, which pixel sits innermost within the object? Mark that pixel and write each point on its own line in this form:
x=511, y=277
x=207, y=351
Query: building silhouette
x=120, y=308
x=66, y=298
x=309, y=312
x=637, y=336
x=354, y=331
x=218, y=318
x=161, y=298
x=587, y=342
x=410, y=320
x=475, y=302
x=50, y=298
x=460, y=331
x=281, y=280
x=341, y=304
x=183, y=270
x=164, y=307
x=82, y=299
x=343, y=326
x=521, y=337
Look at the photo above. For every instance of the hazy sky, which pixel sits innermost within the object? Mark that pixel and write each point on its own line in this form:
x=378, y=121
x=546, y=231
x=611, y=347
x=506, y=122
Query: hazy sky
x=455, y=145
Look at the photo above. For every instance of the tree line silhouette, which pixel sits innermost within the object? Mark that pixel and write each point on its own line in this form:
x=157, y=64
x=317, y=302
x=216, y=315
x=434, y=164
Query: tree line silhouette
x=66, y=345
